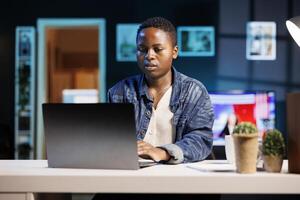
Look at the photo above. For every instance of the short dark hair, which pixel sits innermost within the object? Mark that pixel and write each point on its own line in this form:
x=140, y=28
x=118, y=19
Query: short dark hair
x=159, y=23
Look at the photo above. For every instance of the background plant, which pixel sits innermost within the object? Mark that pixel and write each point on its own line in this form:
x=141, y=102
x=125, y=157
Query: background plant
x=273, y=143
x=245, y=128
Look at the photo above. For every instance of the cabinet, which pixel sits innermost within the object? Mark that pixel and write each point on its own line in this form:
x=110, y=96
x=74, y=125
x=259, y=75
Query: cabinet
x=293, y=117
x=24, y=92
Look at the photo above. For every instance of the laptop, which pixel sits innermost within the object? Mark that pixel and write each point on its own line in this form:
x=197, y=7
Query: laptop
x=93, y=136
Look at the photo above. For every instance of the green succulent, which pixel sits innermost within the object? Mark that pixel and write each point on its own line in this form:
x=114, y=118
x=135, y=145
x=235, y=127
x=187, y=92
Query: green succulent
x=273, y=143
x=245, y=128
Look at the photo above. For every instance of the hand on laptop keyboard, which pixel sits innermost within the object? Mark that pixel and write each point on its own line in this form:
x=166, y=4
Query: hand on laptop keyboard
x=147, y=151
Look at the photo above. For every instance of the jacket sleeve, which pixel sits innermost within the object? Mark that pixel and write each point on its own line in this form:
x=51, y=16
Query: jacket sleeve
x=109, y=96
x=116, y=93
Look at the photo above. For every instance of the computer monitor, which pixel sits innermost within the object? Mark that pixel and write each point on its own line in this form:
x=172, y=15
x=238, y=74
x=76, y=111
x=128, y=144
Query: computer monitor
x=233, y=107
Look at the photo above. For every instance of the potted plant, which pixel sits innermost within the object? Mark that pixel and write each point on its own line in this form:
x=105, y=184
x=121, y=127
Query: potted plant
x=245, y=137
x=273, y=150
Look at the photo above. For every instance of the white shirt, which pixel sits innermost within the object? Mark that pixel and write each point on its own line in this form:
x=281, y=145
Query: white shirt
x=161, y=130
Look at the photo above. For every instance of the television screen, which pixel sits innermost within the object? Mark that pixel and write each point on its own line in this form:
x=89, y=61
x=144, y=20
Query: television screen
x=233, y=107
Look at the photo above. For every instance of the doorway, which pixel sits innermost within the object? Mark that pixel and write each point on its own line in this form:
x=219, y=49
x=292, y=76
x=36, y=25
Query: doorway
x=71, y=60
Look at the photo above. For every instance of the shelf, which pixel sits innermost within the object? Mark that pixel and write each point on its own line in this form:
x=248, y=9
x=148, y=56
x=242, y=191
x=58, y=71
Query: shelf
x=25, y=75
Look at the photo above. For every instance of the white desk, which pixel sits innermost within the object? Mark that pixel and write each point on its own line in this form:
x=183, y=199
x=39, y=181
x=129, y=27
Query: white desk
x=215, y=176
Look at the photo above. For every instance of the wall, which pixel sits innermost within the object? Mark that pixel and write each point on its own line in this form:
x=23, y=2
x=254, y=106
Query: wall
x=228, y=69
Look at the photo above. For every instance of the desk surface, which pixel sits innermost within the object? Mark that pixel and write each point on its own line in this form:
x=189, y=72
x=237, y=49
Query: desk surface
x=211, y=176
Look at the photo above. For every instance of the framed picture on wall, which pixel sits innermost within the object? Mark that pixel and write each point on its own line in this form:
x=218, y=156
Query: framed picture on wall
x=126, y=42
x=196, y=40
x=261, y=41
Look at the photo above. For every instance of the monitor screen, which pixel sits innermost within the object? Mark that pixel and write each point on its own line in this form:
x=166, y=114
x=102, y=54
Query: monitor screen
x=233, y=107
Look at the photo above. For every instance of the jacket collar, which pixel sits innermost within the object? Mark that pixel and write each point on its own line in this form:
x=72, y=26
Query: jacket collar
x=176, y=78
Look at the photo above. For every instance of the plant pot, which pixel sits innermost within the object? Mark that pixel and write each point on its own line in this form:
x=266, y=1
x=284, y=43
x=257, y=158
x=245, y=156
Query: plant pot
x=272, y=163
x=246, y=151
